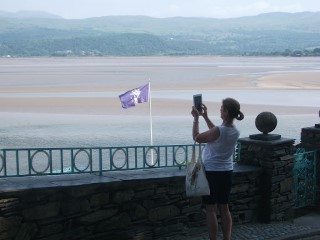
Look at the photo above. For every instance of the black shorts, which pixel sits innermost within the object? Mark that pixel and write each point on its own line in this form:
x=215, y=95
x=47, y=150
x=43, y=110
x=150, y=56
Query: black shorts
x=220, y=186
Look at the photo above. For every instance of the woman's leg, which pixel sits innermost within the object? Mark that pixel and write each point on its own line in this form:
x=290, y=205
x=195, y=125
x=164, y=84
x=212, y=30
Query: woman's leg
x=212, y=221
x=226, y=221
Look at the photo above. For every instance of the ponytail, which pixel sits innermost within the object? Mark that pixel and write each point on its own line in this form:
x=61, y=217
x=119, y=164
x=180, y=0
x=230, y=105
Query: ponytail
x=233, y=108
x=240, y=116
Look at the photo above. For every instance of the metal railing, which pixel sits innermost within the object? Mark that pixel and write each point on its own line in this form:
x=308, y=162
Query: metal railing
x=305, y=173
x=54, y=161
x=57, y=161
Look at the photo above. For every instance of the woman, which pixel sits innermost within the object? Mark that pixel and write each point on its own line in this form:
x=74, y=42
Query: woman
x=218, y=162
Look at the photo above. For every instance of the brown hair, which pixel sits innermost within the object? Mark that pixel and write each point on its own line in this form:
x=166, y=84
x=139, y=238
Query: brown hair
x=233, y=108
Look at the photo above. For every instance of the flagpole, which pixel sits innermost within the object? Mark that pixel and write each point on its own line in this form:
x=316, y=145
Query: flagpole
x=138, y=95
x=150, y=116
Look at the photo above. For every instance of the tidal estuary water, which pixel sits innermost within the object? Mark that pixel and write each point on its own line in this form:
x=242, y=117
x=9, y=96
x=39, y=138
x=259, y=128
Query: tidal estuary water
x=44, y=101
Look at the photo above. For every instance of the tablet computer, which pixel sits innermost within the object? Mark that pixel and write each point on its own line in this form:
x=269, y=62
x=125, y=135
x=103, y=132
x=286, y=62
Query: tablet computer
x=197, y=102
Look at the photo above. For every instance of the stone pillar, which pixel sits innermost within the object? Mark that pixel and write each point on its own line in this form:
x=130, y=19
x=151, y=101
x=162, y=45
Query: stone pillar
x=276, y=158
x=310, y=141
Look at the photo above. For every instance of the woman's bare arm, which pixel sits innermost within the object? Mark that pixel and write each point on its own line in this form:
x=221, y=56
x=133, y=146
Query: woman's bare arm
x=206, y=118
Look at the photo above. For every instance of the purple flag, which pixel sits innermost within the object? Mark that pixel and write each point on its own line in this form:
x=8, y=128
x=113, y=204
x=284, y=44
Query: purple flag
x=135, y=96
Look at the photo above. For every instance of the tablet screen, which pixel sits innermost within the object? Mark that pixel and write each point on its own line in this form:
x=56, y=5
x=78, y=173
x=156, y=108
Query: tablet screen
x=197, y=102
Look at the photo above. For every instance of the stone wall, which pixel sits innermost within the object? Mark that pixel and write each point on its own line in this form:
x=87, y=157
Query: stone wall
x=245, y=198
x=276, y=159
x=149, y=204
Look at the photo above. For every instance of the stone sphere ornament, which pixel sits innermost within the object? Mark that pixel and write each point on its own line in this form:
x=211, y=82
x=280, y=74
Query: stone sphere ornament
x=266, y=122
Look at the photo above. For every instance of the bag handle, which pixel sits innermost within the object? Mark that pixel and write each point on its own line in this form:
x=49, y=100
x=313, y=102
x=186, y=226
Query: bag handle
x=193, y=158
x=200, y=154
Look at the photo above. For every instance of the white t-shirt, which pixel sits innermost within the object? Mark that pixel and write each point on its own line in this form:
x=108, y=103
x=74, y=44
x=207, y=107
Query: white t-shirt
x=218, y=155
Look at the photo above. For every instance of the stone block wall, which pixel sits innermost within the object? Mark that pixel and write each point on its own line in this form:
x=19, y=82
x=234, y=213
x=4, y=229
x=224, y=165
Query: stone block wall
x=131, y=207
x=245, y=197
x=276, y=159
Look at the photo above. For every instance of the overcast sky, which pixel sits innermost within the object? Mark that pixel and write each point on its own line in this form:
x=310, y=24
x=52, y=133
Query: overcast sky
x=160, y=8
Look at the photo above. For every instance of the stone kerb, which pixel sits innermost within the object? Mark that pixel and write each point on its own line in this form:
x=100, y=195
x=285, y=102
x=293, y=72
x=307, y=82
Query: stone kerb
x=276, y=157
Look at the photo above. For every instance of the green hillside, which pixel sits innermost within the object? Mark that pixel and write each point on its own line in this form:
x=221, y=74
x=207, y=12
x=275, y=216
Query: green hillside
x=266, y=34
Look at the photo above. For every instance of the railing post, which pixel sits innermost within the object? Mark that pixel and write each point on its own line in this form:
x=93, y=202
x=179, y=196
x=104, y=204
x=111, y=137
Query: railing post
x=29, y=161
x=50, y=160
x=100, y=161
x=61, y=160
x=5, y=162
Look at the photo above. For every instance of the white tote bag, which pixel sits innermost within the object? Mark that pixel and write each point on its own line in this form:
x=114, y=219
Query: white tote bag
x=196, y=180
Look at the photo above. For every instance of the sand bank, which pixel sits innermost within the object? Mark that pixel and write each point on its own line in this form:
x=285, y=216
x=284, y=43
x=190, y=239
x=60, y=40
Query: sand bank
x=112, y=106
x=63, y=75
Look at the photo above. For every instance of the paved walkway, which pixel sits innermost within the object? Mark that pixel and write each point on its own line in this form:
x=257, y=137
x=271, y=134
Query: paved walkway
x=306, y=227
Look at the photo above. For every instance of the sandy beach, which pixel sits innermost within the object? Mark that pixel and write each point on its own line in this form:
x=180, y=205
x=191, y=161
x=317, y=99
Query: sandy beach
x=65, y=75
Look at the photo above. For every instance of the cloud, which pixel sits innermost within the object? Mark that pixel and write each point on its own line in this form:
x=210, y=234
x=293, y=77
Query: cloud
x=255, y=8
x=161, y=8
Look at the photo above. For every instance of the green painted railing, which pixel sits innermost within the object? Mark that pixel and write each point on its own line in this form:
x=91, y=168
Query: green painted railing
x=57, y=161
x=54, y=161
x=305, y=175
